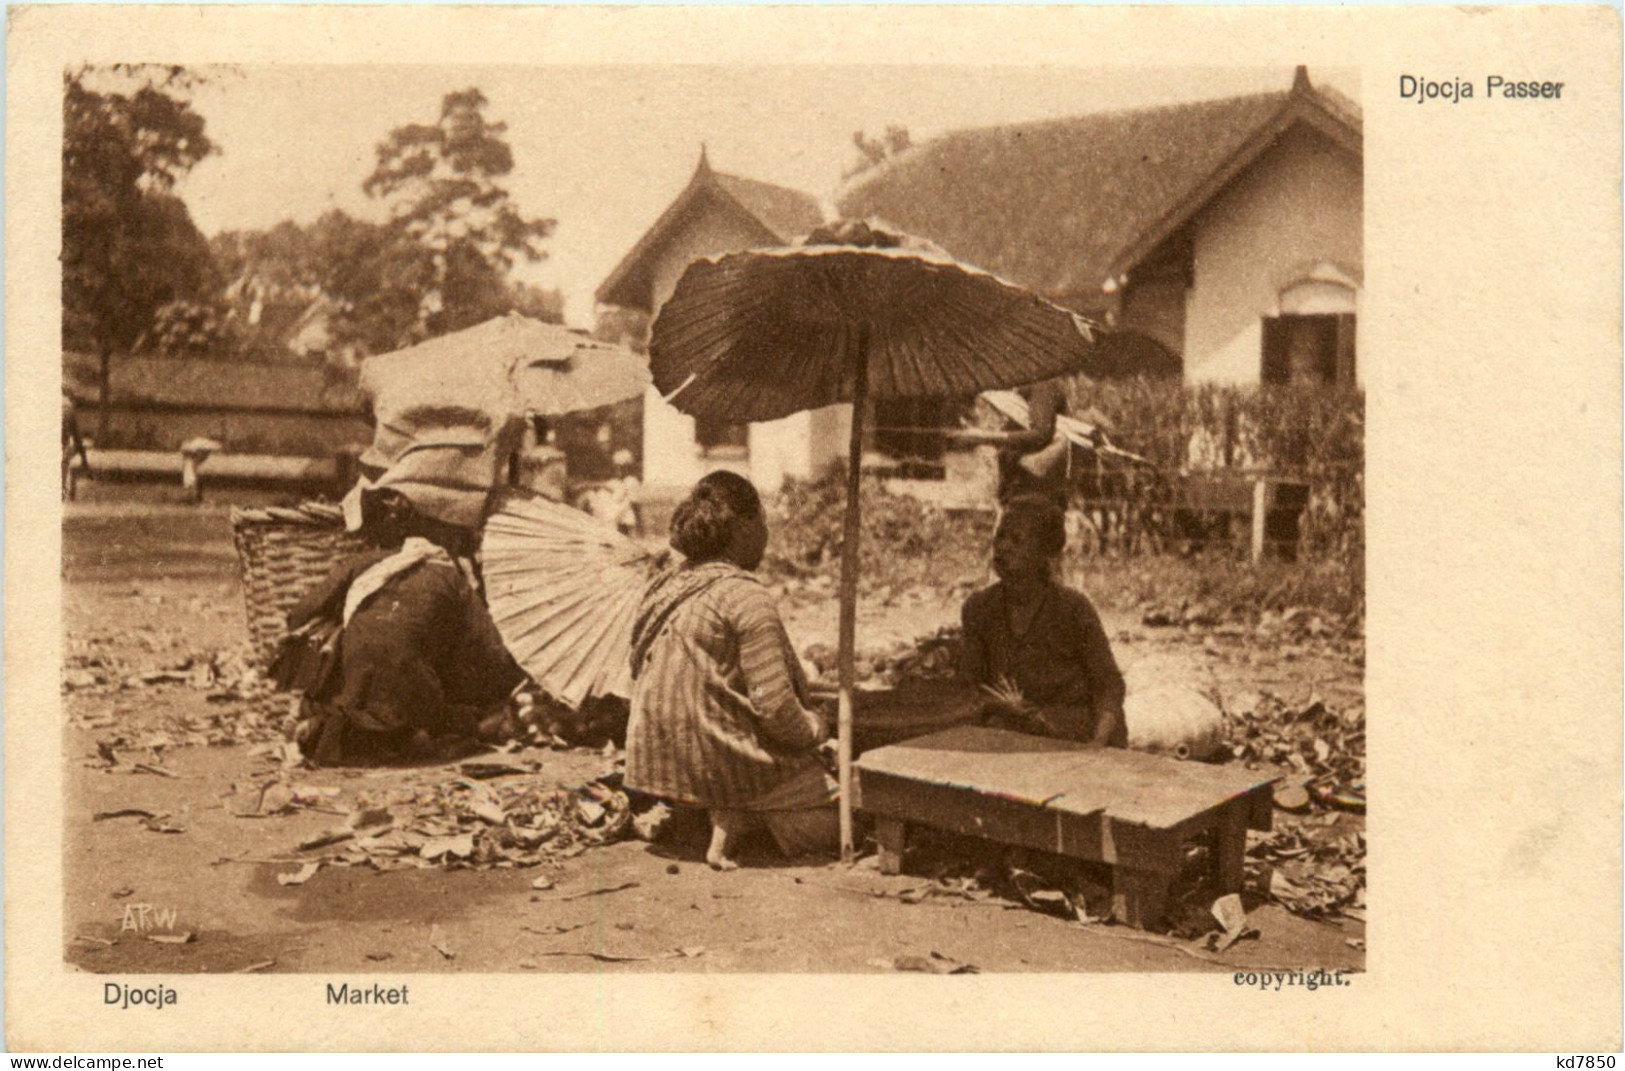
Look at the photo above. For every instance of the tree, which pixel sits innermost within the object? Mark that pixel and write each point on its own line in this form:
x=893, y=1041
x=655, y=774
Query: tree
x=129, y=246
x=872, y=152
x=454, y=234
x=187, y=329
x=441, y=261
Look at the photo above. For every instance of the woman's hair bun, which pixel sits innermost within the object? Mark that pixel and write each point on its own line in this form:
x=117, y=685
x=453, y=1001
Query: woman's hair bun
x=703, y=523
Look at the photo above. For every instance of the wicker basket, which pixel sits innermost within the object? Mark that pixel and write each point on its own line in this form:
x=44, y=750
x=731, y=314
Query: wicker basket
x=284, y=553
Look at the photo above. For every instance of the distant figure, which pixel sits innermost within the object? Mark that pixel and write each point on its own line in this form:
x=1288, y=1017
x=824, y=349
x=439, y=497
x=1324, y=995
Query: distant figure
x=1037, y=649
x=539, y=464
x=1037, y=459
x=72, y=443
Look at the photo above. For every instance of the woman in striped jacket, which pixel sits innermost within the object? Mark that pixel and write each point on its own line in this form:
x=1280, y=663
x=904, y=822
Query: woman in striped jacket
x=720, y=715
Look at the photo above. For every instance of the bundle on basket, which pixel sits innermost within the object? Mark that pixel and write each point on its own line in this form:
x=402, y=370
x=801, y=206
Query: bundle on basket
x=284, y=552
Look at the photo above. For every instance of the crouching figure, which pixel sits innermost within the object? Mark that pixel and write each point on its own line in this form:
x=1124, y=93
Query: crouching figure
x=420, y=670
x=720, y=710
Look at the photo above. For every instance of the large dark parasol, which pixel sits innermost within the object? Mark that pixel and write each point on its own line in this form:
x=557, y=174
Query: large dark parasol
x=851, y=314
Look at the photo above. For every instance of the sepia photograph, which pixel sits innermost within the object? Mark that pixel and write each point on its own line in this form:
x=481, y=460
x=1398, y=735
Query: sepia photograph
x=814, y=510
x=492, y=545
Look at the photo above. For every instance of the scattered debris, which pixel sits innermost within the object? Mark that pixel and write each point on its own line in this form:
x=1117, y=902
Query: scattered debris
x=649, y=825
x=260, y=966
x=437, y=941
x=323, y=840
x=300, y=876
x=173, y=938
x=600, y=892
x=125, y=812
x=935, y=963
x=484, y=771
x=1233, y=918
x=621, y=957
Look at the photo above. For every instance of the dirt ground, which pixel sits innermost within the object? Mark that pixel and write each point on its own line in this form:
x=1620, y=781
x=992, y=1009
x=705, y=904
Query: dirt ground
x=148, y=584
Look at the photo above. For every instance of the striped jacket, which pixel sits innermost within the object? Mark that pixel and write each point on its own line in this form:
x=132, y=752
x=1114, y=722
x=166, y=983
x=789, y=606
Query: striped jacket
x=718, y=715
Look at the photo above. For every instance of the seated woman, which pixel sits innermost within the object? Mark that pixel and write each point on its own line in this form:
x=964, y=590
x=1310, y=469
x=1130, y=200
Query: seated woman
x=420, y=663
x=1037, y=648
x=719, y=703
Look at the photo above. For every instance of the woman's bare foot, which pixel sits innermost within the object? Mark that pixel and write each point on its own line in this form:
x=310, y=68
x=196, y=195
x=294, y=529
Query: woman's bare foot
x=724, y=828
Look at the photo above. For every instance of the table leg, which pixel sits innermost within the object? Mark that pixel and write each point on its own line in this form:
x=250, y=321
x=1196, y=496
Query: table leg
x=891, y=834
x=1139, y=897
x=1230, y=848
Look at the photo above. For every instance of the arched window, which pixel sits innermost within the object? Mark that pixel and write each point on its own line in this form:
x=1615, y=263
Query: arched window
x=1311, y=340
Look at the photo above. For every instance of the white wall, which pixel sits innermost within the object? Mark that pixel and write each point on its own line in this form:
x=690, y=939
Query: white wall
x=1299, y=205
x=672, y=460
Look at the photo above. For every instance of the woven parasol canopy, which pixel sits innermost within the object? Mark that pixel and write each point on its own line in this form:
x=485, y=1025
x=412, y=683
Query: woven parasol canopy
x=450, y=411
x=508, y=365
x=563, y=588
x=855, y=312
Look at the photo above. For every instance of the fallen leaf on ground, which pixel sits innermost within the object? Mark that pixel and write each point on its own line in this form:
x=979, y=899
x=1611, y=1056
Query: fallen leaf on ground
x=370, y=821
x=459, y=847
x=119, y=894
x=600, y=892
x=300, y=876
x=260, y=966
x=489, y=812
x=437, y=941
x=1233, y=917
x=172, y=938
x=481, y=771
x=1292, y=798
x=610, y=957
x=322, y=840
x=126, y=812
x=935, y=963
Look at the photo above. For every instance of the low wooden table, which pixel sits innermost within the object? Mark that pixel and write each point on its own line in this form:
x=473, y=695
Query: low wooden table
x=1125, y=808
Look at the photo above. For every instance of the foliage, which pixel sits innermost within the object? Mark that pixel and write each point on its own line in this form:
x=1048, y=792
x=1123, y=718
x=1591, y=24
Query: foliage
x=129, y=246
x=188, y=329
x=1313, y=435
x=440, y=262
x=872, y=152
x=454, y=228
x=623, y=327
x=903, y=543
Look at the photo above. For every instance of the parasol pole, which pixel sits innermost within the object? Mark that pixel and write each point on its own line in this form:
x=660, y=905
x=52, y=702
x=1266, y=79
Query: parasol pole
x=847, y=640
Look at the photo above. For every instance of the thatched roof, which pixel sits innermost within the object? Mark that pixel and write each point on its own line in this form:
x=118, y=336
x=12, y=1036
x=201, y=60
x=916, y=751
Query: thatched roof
x=1062, y=205
x=779, y=213
x=179, y=383
x=787, y=213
